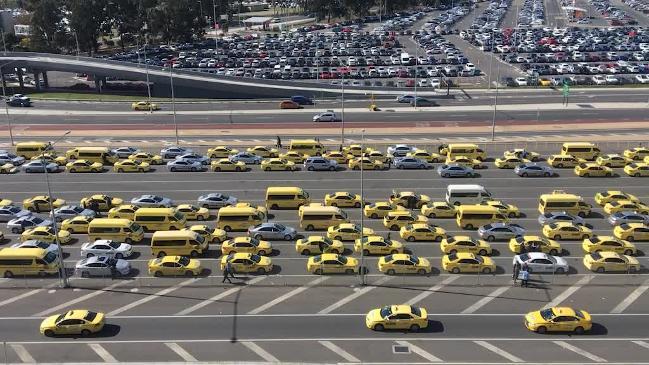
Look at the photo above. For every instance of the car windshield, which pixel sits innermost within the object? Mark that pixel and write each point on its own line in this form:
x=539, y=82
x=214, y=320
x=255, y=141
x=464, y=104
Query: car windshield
x=580, y=314
x=111, y=262
x=317, y=259
x=450, y=240
x=524, y=257
x=14, y=209
x=416, y=311
x=280, y=227
x=59, y=318
x=255, y=258
x=625, y=226
x=595, y=240
x=414, y=259
x=596, y=256
x=135, y=227
x=37, y=220
x=343, y=260
x=49, y=257
x=77, y=209
x=452, y=257
x=386, y=311
x=183, y=260
x=43, y=245
x=179, y=216
x=114, y=244
x=546, y=314
x=156, y=198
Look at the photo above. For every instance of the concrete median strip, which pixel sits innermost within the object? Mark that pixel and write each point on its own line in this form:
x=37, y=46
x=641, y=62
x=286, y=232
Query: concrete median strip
x=180, y=351
x=419, y=351
x=484, y=301
x=22, y=353
x=260, y=351
x=340, y=351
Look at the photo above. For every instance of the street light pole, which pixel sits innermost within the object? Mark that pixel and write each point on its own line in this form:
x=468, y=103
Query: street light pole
x=361, y=268
x=214, y=18
x=493, y=121
x=4, y=97
x=76, y=39
x=342, y=116
x=416, y=61
x=173, y=100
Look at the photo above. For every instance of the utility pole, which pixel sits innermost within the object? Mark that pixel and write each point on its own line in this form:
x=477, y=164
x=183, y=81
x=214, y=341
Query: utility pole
x=342, y=116
x=173, y=100
x=493, y=121
x=361, y=268
x=4, y=97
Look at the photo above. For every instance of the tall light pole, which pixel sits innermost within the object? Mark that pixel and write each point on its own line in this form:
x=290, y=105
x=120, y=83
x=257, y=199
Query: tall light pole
x=361, y=269
x=146, y=71
x=4, y=97
x=214, y=18
x=493, y=121
x=416, y=61
x=342, y=116
x=173, y=100
x=76, y=40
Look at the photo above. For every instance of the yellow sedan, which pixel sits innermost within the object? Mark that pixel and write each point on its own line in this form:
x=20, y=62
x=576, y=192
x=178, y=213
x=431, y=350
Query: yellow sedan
x=51, y=157
x=632, y=232
x=131, y=166
x=402, y=317
x=403, y=197
x=604, y=197
x=75, y=322
x=376, y=155
x=566, y=231
x=591, y=169
x=509, y=162
x=78, y=224
x=403, y=264
x=422, y=232
x=355, y=164
x=395, y=220
x=380, y=209
x=84, y=166
x=564, y=161
x=46, y=234
x=8, y=169
x=455, y=244
x=124, y=211
x=144, y=105
x=544, y=245
x=337, y=156
x=106, y=202
x=637, y=169
x=509, y=210
x=377, y=245
x=523, y=154
x=343, y=199
x=430, y=157
x=622, y=205
x=221, y=152
x=192, y=212
x=347, y=232
x=227, y=165
x=354, y=150
x=146, y=157
x=175, y=266
x=293, y=156
x=317, y=245
x=248, y=263
x=439, y=210
x=607, y=261
x=636, y=153
x=467, y=262
x=608, y=243
x=331, y=263
x=465, y=161
x=278, y=164
x=5, y=202
x=263, y=151
x=41, y=203
x=612, y=160
x=246, y=245
x=558, y=319
x=215, y=235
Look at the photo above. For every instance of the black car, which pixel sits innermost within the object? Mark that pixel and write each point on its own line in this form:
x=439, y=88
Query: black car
x=19, y=101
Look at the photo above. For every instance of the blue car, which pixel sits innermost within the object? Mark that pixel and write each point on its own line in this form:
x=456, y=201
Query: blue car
x=406, y=99
x=455, y=170
x=301, y=100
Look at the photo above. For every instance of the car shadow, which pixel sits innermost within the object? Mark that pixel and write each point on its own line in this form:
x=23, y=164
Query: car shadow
x=495, y=252
x=274, y=252
x=109, y=330
x=594, y=214
x=277, y=269
x=432, y=327
x=135, y=255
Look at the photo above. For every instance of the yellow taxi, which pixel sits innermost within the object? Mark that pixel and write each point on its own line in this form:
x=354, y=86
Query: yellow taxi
x=422, y=232
x=509, y=210
x=131, y=166
x=78, y=224
x=402, y=198
x=175, y=266
x=318, y=244
x=591, y=169
x=430, y=157
x=564, y=161
x=248, y=263
x=104, y=201
x=355, y=164
x=8, y=169
x=42, y=203
x=343, y=199
x=402, y=263
x=622, y=205
x=215, y=235
x=46, y=234
x=293, y=156
x=402, y=317
x=278, y=164
x=566, y=231
x=226, y=165
x=263, y=151
x=347, y=232
x=379, y=209
x=337, y=156
x=607, y=261
x=637, y=169
x=84, y=166
x=376, y=155
x=636, y=153
x=467, y=262
x=51, y=157
x=438, y=210
x=455, y=244
x=354, y=150
x=331, y=263
x=465, y=161
x=397, y=219
x=608, y=243
x=377, y=245
x=612, y=160
x=5, y=202
x=221, y=152
x=193, y=212
x=262, y=210
x=523, y=154
x=632, y=232
x=509, y=162
x=124, y=211
x=74, y=322
x=558, y=319
x=144, y=105
x=246, y=245
x=544, y=245
x=149, y=158
x=604, y=197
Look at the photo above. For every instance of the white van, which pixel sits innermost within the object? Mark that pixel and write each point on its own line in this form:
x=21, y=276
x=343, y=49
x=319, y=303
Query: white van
x=466, y=194
x=405, y=58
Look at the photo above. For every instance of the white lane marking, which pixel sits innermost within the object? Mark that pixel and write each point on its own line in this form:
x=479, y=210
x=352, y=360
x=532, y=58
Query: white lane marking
x=484, y=301
x=24, y=295
x=568, y=292
x=353, y=296
x=431, y=290
x=642, y=344
x=288, y=295
x=151, y=297
x=419, y=351
x=498, y=351
x=259, y=351
x=102, y=352
x=579, y=351
x=624, y=304
x=79, y=299
x=22, y=353
x=340, y=351
x=217, y=297
x=180, y=352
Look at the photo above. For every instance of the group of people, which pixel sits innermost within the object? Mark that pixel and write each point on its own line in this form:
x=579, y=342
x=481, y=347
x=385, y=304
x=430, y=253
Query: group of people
x=521, y=272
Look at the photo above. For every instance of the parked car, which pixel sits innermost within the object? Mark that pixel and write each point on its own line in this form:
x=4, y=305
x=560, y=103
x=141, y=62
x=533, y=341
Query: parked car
x=272, y=231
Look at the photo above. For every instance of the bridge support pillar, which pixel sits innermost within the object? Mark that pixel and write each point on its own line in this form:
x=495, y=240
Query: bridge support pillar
x=4, y=81
x=21, y=82
x=46, y=81
x=103, y=82
x=97, y=84
x=37, y=80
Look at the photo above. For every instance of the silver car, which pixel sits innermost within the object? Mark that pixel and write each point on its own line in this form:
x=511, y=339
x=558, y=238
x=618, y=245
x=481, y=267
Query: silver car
x=554, y=217
x=173, y=151
x=40, y=166
x=542, y=262
x=411, y=163
x=185, y=165
x=19, y=225
x=152, y=201
x=455, y=170
x=70, y=211
x=216, y=200
x=400, y=150
x=9, y=212
x=618, y=218
x=108, y=248
x=247, y=158
x=194, y=157
x=500, y=231
x=533, y=170
x=48, y=247
x=272, y=231
x=124, y=152
x=12, y=159
x=101, y=266
x=320, y=164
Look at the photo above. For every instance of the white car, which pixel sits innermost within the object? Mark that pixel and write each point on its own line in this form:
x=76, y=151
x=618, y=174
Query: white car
x=643, y=79
x=328, y=116
x=424, y=83
x=400, y=150
x=542, y=262
x=599, y=80
x=110, y=248
x=435, y=83
x=48, y=247
x=521, y=81
x=124, y=152
x=610, y=79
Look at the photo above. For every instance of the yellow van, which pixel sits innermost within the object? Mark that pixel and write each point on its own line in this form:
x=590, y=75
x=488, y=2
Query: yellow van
x=121, y=230
x=560, y=201
x=316, y=216
x=94, y=154
x=238, y=218
x=469, y=150
x=309, y=147
x=27, y=262
x=585, y=150
x=286, y=197
x=474, y=216
x=30, y=149
x=160, y=219
x=178, y=243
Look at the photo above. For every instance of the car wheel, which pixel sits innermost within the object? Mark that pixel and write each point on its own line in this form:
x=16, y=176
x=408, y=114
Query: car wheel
x=491, y=238
x=628, y=252
x=309, y=227
x=127, y=240
x=331, y=168
x=335, y=252
x=261, y=271
x=162, y=254
x=560, y=270
x=258, y=236
x=267, y=169
x=600, y=270
x=579, y=330
x=357, y=205
x=8, y=274
x=49, y=333
x=157, y=274
x=554, y=252
x=524, y=174
x=637, y=174
x=119, y=256
x=366, y=252
x=306, y=252
x=318, y=271
x=482, y=252
x=193, y=254
x=189, y=273
x=73, y=170
x=173, y=169
x=378, y=327
x=557, y=237
x=608, y=174
x=410, y=239
x=120, y=170
x=338, y=238
x=486, y=270
x=446, y=175
x=287, y=237
x=541, y=330
x=262, y=253
x=468, y=226
x=414, y=328
x=227, y=228
x=200, y=218
x=455, y=270
x=586, y=175
x=15, y=230
x=91, y=255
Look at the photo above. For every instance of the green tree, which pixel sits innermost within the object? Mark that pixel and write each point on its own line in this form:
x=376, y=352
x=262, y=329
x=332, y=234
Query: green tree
x=48, y=28
x=87, y=18
x=177, y=20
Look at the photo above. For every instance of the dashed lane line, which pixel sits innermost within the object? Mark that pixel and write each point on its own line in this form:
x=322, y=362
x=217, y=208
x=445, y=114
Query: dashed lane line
x=260, y=351
x=288, y=295
x=354, y=295
x=102, y=352
x=151, y=297
x=484, y=301
x=25, y=295
x=217, y=297
x=624, y=304
x=498, y=351
x=23, y=354
x=79, y=299
x=419, y=351
x=418, y=298
x=580, y=351
x=340, y=351
x=180, y=352
x=568, y=292
x=642, y=344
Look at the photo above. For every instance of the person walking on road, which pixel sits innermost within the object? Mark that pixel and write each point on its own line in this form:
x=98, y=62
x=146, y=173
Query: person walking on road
x=517, y=270
x=227, y=273
x=279, y=142
x=524, y=276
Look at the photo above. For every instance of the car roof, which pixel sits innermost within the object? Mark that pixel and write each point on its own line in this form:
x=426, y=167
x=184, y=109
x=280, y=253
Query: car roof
x=76, y=314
